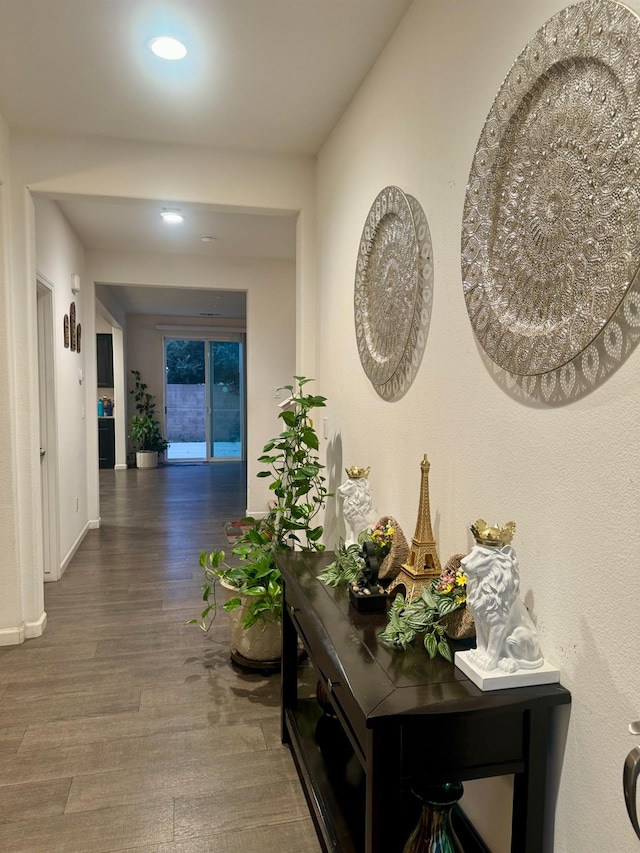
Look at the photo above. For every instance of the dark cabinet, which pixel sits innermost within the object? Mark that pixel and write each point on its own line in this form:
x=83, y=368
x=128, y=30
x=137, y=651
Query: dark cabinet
x=104, y=345
x=106, y=443
x=396, y=720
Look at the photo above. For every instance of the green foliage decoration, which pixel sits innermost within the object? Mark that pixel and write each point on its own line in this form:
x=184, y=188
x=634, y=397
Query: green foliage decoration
x=346, y=567
x=298, y=485
x=422, y=616
x=145, y=431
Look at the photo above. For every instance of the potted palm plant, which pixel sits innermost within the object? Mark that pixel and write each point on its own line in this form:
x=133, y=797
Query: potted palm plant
x=252, y=577
x=145, y=433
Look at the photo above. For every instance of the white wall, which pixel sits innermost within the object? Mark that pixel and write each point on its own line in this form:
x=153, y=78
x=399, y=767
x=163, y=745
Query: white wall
x=270, y=287
x=12, y=613
x=59, y=253
x=568, y=475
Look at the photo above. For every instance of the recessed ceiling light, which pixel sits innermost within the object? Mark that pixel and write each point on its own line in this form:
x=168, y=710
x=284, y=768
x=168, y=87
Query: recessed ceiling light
x=207, y=238
x=172, y=216
x=168, y=48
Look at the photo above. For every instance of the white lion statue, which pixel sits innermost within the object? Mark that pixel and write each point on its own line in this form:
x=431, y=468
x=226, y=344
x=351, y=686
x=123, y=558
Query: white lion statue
x=358, y=502
x=506, y=636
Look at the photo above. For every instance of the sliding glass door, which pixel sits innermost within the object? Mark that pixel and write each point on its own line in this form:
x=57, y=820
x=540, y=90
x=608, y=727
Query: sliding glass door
x=204, y=398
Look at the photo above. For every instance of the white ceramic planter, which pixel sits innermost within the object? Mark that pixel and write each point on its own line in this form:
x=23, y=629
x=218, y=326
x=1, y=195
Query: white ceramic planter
x=146, y=459
x=261, y=642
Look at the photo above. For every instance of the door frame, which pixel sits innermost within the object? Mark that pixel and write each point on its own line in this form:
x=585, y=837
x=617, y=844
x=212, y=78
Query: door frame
x=49, y=541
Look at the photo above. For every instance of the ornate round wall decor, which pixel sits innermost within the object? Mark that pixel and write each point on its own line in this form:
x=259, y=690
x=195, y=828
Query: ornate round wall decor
x=551, y=224
x=393, y=292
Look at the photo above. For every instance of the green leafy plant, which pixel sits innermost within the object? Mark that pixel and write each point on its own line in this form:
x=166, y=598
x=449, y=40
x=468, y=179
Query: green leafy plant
x=145, y=431
x=346, y=567
x=296, y=474
x=298, y=485
x=255, y=577
x=425, y=615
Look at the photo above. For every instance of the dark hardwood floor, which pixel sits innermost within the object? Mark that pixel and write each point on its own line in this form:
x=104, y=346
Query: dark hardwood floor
x=124, y=728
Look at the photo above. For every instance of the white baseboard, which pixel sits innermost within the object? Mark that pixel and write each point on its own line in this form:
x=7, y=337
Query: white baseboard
x=94, y=523
x=12, y=636
x=35, y=629
x=71, y=552
x=258, y=515
x=122, y=466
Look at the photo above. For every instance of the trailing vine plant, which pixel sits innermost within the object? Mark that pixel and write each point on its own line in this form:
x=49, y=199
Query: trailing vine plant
x=298, y=486
x=426, y=614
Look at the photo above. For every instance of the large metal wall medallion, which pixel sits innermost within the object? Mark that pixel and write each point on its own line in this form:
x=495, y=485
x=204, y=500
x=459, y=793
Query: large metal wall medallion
x=393, y=292
x=551, y=224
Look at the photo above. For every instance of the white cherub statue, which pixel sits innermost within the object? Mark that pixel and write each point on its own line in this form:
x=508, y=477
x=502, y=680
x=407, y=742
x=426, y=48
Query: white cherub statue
x=506, y=636
x=358, y=502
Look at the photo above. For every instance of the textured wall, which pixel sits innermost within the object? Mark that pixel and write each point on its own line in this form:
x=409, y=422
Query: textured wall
x=568, y=474
x=58, y=254
x=11, y=616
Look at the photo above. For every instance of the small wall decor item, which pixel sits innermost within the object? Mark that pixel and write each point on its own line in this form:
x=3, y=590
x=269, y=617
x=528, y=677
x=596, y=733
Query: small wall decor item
x=358, y=502
x=423, y=563
x=79, y=338
x=508, y=652
x=72, y=325
x=551, y=223
x=393, y=292
x=66, y=331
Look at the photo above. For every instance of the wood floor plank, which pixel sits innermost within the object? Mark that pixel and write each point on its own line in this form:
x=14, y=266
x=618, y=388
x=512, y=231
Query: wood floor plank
x=35, y=652
x=19, y=802
x=142, y=752
x=295, y=837
x=109, y=679
x=101, y=728
x=10, y=739
x=188, y=661
x=194, y=773
x=68, y=707
x=225, y=811
x=100, y=831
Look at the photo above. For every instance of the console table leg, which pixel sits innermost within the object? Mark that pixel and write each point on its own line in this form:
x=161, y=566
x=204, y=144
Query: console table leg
x=530, y=787
x=383, y=772
x=289, y=685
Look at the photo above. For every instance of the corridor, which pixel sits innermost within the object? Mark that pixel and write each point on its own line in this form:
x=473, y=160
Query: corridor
x=124, y=728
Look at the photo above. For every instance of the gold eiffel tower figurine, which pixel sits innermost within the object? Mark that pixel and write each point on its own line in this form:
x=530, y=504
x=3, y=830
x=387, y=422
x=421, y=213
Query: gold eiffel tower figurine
x=423, y=563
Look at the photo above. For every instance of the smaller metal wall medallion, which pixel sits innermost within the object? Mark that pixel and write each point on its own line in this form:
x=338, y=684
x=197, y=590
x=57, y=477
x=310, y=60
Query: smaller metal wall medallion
x=551, y=224
x=393, y=292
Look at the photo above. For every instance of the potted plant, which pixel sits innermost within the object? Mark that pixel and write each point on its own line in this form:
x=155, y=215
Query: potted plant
x=145, y=432
x=253, y=579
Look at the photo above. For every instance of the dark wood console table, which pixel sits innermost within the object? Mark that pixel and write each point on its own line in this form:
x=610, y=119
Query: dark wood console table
x=399, y=719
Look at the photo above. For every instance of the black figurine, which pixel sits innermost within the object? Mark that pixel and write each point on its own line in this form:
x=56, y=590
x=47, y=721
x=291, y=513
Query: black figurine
x=366, y=593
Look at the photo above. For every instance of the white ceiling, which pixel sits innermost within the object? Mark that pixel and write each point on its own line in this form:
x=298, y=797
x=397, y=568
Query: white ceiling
x=269, y=75
x=263, y=74
x=136, y=226
x=208, y=305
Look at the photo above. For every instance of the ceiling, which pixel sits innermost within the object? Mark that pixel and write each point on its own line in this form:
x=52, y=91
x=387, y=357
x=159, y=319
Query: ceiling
x=208, y=305
x=268, y=75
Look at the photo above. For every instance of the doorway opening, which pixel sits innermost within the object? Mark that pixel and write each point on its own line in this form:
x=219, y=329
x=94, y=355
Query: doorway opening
x=205, y=398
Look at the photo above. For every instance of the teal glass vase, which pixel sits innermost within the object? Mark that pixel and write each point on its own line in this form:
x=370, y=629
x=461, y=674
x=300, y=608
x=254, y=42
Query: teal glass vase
x=434, y=833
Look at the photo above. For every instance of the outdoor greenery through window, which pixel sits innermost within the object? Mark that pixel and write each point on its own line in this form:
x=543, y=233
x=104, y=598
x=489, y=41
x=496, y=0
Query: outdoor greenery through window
x=204, y=394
